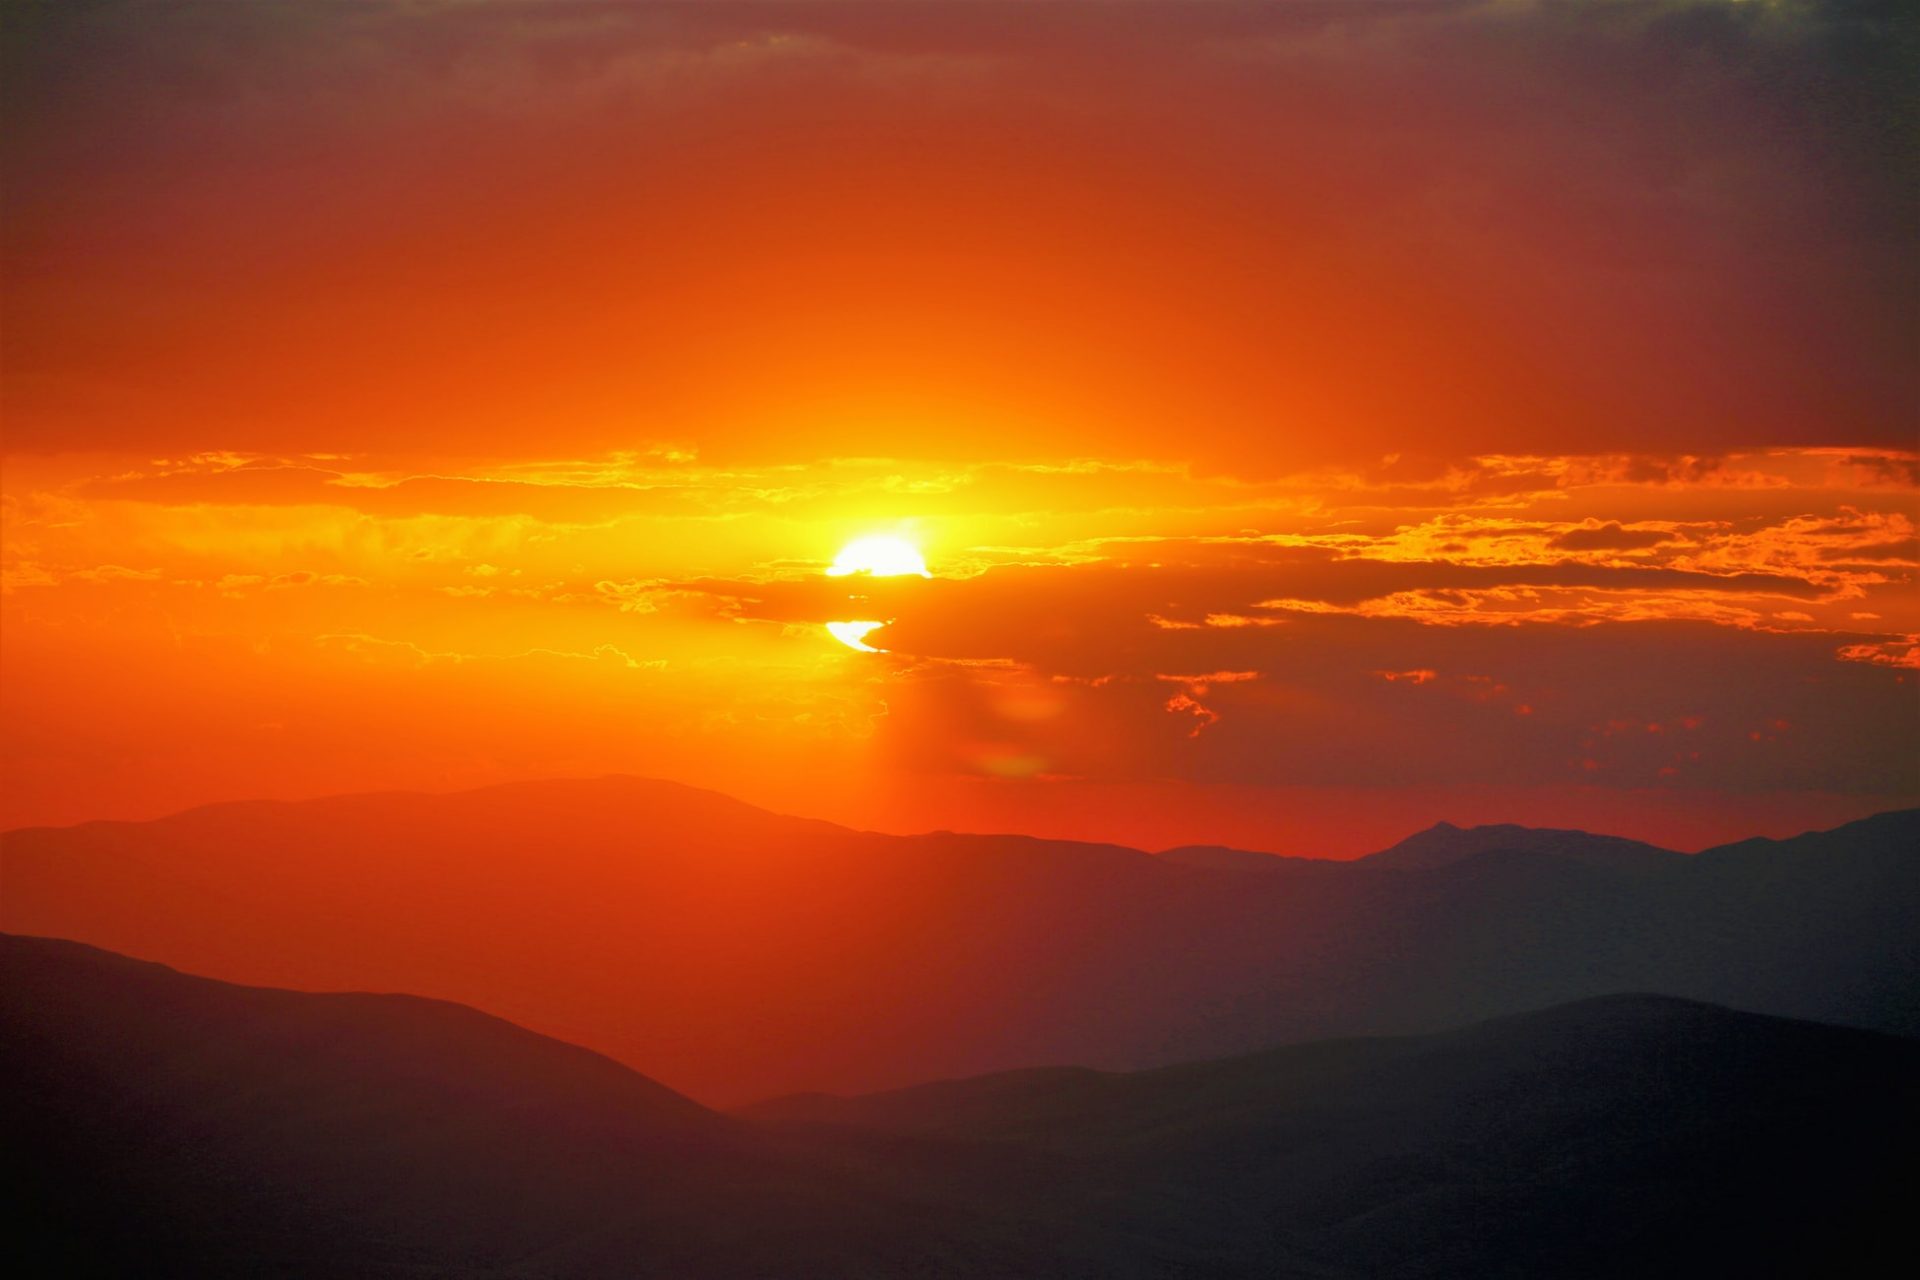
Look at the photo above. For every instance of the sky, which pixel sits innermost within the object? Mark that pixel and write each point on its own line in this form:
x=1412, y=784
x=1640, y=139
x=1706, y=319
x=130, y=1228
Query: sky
x=1317, y=419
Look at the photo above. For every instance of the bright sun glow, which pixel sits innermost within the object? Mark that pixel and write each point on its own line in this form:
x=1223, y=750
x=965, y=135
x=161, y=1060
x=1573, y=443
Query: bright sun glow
x=882, y=556
x=853, y=634
x=877, y=556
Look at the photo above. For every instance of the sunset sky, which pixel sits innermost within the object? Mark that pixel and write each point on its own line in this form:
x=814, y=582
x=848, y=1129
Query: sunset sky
x=1317, y=420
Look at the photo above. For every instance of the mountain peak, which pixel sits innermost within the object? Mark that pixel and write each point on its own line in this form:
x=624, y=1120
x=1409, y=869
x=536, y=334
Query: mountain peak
x=1444, y=844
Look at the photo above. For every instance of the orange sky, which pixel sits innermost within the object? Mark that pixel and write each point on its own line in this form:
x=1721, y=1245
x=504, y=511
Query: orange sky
x=1318, y=421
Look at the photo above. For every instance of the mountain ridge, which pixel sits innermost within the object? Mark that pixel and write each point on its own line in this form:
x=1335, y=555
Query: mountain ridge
x=164, y=1124
x=1406, y=853
x=934, y=1097
x=736, y=954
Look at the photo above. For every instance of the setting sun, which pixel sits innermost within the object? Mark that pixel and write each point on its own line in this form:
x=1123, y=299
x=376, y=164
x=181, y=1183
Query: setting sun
x=881, y=556
x=877, y=556
x=853, y=634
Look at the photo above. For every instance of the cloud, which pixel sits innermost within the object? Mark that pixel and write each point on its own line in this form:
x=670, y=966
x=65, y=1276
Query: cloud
x=1903, y=651
x=1521, y=705
x=1193, y=583
x=1610, y=536
x=108, y=573
x=376, y=649
x=1281, y=233
x=1893, y=551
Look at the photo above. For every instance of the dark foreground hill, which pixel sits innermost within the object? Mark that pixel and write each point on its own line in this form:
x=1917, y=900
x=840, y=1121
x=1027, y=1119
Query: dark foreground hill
x=1623, y=1135
x=163, y=1125
x=159, y=1124
x=735, y=954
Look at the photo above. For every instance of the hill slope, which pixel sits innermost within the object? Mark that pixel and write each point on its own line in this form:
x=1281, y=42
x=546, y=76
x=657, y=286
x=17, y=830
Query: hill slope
x=735, y=954
x=1625, y=1135
x=159, y=1124
x=164, y=1125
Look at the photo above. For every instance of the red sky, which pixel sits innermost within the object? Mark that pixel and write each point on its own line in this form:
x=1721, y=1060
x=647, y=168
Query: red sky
x=1319, y=420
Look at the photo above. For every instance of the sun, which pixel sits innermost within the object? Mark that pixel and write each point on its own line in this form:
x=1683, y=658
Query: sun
x=877, y=556
x=880, y=556
x=853, y=634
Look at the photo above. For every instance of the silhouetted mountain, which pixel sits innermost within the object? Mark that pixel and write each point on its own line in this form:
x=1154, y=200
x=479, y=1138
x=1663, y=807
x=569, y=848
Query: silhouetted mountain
x=1444, y=844
x=1885, y=835
x=157, y=1124
x=1625, y=1135
x=1222, y=858
x=735, y=954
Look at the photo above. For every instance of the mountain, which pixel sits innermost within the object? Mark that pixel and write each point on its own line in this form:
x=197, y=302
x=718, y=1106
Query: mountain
x=159, y=1124
x=1221, y=858
x=1444, y=844
x=165, y=1125
x=1625, y=1135
x=1885, y=835
x=735, y=954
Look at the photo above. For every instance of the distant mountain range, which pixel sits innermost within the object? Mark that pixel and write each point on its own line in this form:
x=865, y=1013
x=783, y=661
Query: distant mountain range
x=1444, y=844
x=736, y=954
x=163, y=1125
